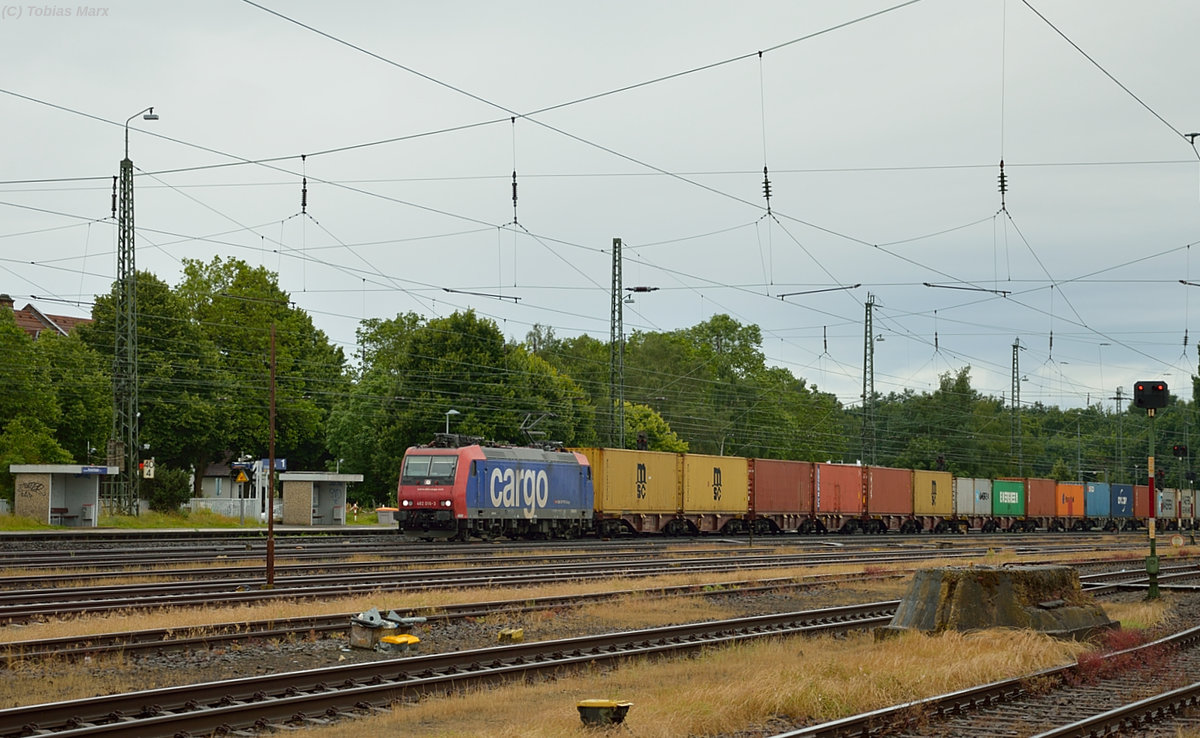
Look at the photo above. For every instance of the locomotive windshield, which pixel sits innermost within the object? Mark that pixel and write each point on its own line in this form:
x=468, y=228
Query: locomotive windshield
x=428, y=469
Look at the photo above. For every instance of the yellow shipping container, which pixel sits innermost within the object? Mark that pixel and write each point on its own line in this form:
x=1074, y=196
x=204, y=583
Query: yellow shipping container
x=635, y=481
x=715, y=484
x=933, y=493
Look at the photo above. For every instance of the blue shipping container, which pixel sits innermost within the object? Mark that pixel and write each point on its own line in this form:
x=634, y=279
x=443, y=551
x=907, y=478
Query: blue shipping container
x=511, y=488
x=1122, y=501
x=1097, y=500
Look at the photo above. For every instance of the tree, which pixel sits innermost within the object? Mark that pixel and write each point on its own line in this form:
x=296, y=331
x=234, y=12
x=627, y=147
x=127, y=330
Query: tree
x=659, y=436
x=83, y=388
x=235, y=306
x=27, y=440
x=180, y=383
x=27, y=389
x=415, y=370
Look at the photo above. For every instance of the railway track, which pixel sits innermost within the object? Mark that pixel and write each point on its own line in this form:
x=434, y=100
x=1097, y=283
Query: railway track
x=31, y=604
x=1084, y=699
x=170, y=639
x=215, y=636
x=258, y=702
x=124, y=561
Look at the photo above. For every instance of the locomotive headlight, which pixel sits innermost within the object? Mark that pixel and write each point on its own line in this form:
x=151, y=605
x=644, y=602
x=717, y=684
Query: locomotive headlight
x=406, y=503
x=447, y=503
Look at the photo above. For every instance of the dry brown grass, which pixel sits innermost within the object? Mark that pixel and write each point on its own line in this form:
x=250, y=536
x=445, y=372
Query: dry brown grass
x=199, y=617
x=728, y=690
x=186, y=618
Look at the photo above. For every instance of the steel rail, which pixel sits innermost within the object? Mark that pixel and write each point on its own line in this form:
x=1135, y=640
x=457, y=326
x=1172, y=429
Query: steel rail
x=877, y=722
x=1133, y=716
x=29, y=604
x=169, y=639
x=249, y=701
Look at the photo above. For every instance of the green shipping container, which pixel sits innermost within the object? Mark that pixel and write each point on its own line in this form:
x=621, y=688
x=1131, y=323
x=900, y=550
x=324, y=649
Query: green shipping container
x=1008, y=498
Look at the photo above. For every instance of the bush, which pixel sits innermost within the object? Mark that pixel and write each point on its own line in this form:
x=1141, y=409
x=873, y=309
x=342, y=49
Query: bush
x=169, y=489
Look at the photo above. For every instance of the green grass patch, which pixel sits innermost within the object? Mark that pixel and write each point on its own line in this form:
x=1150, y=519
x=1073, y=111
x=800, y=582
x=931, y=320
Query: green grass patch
x=196, y=519
x=20, y=522
x=362, y=518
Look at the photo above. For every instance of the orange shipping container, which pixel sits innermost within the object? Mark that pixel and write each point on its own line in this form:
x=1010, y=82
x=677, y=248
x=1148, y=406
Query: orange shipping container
x=839, y=489
x=781, y=487
x=933, y=493
x=1141, y=501
x=889, y=491
x=1039, y=496
x=715, y=484
x=1068, y=499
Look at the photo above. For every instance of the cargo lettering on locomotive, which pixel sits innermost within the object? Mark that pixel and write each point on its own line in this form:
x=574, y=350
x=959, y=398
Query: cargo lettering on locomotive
x=641, y=481
x=515, y=487
x=716, y=484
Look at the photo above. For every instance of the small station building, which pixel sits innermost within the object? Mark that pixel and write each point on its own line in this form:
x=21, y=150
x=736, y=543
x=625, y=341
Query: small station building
x=59, y=494
x=315, y=498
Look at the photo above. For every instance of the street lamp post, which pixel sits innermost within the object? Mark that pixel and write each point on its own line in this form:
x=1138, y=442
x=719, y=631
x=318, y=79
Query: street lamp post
x=450, y=412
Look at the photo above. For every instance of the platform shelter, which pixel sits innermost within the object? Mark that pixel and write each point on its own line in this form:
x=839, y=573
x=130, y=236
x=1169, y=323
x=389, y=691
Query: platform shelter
x=59, y=494
x=315, y=498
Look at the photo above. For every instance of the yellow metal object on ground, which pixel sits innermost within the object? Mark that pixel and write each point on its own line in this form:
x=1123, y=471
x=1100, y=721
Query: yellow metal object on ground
x=399, y=642
x=602, y=712
x=513, y=635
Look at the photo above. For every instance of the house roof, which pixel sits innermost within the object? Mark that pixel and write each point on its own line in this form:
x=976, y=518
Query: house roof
x=34, y=321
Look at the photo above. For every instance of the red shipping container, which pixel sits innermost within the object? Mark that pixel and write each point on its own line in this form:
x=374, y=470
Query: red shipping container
x=839, y=489
x=1068, y=499
x=781, y=487
x=1039, y=498
x=1141, y=501
x=889, y=491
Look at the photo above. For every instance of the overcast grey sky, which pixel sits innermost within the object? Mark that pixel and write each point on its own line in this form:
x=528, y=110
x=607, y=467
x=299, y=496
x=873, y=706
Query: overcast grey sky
x=882, y=124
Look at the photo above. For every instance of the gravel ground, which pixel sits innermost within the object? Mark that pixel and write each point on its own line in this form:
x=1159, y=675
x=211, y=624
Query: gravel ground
x=254, y=658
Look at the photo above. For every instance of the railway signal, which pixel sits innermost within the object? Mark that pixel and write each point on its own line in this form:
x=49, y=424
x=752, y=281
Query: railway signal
x=1150, y=395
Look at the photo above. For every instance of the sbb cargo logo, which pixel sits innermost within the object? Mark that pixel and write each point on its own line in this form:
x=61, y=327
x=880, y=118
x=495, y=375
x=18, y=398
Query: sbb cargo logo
x=1008, y=497
x=523, y=488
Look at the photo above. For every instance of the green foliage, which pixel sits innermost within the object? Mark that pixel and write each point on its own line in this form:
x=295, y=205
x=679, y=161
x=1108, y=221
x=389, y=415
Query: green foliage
x=179, y=381
x=1061, y=471
x=26, y=440
x=26, y=389
x=659, y=436
x=168, y=490
x=237, y=308
x=82, y=386
x=415, y=370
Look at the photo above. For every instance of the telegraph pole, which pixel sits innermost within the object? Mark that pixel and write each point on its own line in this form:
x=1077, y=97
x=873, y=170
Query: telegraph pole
x=1015, y=442
x=121, y=493
x=868, y=393
x=616, y=354
x=1120, y=397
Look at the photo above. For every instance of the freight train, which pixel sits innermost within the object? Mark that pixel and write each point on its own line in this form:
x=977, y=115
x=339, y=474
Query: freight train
x=460, y=487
